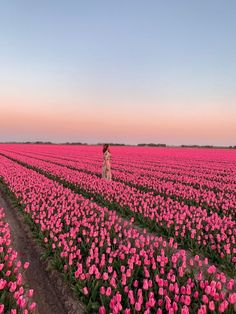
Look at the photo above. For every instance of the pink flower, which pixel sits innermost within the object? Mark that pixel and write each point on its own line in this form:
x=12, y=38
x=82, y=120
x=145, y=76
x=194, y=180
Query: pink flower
x=202, y=310
x=212, y=305
x=1, y=308
x=122, y=268
x=204, y=299
x=152, y=302
x=185, y=310
x=211, y=269
x=223, y=306
x=3, y=284
x=118, y=297
x=187, y=300
x=85, y=291
x=32, y=306
x=173, y=278
x=161, y=291
x=135, y=283
x=138, y=306
x=13, y=287
x=26, y=265
x=208, y=290
x=230, y=284
x=145, y=284
x=232, y=298
x=102, y=310
x=108, y=292
x=8, y=273
x=105, y=276
x=196, y=294
x=219, y=285
x=30, y=293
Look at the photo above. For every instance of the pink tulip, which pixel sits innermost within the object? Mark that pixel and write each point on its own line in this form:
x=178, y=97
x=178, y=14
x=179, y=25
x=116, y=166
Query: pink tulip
x=85, y=291
x=232, y=298
x=32, y=306
x=211, y=269
x=185, y=310
x=211, y=305
x=1, y=308
x=102, y=310
x=205, y=299
x=230, y=284
x=108, y=291
x=138, y=306
x=26, y=265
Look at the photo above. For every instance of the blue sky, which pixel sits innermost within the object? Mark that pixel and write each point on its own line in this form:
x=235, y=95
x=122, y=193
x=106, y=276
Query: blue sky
x=130, y=71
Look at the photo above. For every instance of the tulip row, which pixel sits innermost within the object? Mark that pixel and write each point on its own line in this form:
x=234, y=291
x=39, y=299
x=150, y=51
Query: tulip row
x=217, y=171
x=213, y=165
x=14, y=296
x=206, y=177
x=193, y=227
x=222, y=202
x=187, y=175
x=114, y=267
x=211, y=195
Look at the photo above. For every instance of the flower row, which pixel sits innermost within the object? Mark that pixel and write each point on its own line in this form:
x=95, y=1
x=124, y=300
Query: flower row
x=14, y=296
x=212, y=195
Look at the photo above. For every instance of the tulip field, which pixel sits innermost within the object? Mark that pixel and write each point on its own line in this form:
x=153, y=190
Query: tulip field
x=159, y=238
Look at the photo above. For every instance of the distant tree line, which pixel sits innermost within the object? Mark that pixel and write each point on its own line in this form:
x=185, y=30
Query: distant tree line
x=28, y=142
x=112, y=144
x=208, y=146
x=152, y=145
x=200, y=146
x=74, y=143
x=121, y=144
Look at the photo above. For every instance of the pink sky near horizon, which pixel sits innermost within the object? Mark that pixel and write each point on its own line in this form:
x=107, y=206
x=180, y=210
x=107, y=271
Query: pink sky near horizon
x=40, y=118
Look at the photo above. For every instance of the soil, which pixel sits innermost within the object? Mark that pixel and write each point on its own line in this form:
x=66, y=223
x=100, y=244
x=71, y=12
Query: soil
x=51, y=293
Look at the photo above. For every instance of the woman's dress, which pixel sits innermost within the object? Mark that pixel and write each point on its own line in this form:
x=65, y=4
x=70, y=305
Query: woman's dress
x=106, y=168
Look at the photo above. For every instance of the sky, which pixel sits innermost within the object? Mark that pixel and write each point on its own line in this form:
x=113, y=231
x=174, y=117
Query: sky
x=127, y=71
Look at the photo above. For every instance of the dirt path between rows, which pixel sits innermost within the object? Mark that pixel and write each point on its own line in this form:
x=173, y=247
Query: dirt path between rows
x=51, y=294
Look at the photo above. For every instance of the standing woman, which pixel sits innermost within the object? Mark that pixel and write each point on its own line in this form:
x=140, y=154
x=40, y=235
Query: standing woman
x=106, y=168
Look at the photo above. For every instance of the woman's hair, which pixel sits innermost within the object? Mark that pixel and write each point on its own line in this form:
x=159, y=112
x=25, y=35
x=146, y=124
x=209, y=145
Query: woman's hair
x=105, y=148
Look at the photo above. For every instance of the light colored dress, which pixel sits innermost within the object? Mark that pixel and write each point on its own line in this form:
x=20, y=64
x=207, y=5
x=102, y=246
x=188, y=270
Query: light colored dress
x=106, y=167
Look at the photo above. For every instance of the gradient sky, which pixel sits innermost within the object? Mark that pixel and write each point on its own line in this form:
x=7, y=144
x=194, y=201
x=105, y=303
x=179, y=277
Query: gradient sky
x=127, y=71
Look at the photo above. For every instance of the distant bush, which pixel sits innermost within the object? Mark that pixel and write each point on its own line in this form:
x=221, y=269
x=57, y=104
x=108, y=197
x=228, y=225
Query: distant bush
x=152, y=145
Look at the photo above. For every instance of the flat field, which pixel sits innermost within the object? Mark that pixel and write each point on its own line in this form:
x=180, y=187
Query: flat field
x=159, y=238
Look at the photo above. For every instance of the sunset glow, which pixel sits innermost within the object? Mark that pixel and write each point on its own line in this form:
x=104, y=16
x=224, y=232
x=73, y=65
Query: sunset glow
x=127, y=72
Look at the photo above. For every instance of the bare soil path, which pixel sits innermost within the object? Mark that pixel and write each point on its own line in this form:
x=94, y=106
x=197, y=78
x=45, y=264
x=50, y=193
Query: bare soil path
x=51, y=294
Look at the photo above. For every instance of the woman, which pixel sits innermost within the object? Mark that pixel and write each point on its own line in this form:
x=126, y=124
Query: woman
x=106, y=168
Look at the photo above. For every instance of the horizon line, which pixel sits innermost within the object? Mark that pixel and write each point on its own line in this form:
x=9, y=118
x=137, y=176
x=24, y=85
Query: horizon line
x=160, y=145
